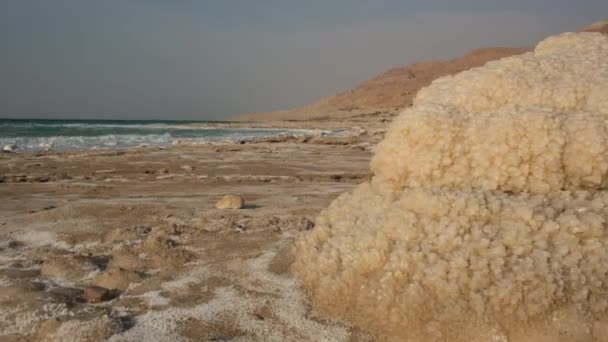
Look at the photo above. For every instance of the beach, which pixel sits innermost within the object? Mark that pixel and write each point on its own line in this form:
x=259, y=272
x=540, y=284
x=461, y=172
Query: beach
x=141, y=223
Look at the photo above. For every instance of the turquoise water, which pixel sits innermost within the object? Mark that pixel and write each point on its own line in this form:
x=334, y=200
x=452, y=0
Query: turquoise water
x=32, y=135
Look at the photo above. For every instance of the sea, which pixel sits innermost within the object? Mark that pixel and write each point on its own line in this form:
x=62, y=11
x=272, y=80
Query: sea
x=22, y=135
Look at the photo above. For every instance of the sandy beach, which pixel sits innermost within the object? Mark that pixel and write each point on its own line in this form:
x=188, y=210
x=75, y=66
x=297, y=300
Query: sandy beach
x=142, y=223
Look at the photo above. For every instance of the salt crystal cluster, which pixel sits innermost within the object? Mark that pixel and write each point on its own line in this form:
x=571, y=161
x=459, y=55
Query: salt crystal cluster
x=486, y=216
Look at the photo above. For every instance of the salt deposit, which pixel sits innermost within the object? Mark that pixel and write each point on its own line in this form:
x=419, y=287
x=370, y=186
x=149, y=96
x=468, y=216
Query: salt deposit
x=485, y=219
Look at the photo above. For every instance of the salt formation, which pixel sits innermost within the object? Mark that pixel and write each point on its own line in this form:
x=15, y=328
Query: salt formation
x=486, y=217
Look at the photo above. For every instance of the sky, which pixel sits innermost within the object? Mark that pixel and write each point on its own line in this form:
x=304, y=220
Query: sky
x=210, y=60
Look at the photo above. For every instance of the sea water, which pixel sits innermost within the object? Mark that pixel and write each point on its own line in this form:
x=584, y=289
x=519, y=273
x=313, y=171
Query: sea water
x=35, y=135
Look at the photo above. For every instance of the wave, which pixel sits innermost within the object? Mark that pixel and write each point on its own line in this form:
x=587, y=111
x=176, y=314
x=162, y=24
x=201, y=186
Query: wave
x=60, y=143
x=85, y=142
x=100, y=125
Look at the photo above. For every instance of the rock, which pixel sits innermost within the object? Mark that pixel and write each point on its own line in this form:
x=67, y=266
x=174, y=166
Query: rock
x=187, y=167
x=205, y=224
x=304, y=139
x=19, y=288
x=132, y=233
x=68, y=267
x=230, y=202
x=67, y=295
x=47, y=328
x=62, y=176
x=117, y=278
x=96, y=329
x=129, y=260
x=39, y=179
x=158, y=241
x=97, y=294
x=263, y=313
x=9, y=148
x=163, y=170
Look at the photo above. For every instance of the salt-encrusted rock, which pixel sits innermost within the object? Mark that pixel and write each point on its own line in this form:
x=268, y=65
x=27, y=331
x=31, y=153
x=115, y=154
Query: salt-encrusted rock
x=97, y=329
x=9, y=148
x=67, y=267
x=187, y=167
x=20, y=287
x=486, y=217
x=97, y=294
x=117, y=278
x=47, y=328
x=230, y=202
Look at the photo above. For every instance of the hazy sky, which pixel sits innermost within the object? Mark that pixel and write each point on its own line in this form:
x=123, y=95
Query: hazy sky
x=197, y=59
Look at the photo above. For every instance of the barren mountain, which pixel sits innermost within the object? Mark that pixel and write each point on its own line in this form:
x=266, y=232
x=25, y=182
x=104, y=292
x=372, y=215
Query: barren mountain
x=395, y=88
x=600, y=26
x=389, y=92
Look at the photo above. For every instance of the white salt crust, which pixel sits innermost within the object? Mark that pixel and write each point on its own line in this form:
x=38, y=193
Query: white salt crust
x=287, y=304
x=533, y=123
x=486, y=217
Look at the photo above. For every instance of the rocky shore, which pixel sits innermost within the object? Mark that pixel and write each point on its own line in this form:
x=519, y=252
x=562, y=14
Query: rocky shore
x=128, y=245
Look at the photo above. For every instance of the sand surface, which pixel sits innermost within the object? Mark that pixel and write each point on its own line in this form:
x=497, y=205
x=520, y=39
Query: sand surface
x=142, y=223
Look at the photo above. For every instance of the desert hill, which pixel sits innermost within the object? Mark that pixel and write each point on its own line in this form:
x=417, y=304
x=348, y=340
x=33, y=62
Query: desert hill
x=600, y=26
x=388, y=92
x=395, y=88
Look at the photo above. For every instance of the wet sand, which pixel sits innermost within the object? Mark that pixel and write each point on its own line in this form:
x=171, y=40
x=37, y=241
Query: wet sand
x=141, y=225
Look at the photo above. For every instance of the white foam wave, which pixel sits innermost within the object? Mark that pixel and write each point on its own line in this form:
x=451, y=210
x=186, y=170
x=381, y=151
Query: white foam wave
x=60, y=143
x=84, y=142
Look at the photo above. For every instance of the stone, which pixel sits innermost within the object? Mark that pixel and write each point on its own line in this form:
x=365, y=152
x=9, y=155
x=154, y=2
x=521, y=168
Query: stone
x=99, y=328
x=187, y=167
x=230, y=202
x=117, y=278
x=97, y=294
x=68, y=267
x=9, y=148
x=47, y=328
x=19, y=288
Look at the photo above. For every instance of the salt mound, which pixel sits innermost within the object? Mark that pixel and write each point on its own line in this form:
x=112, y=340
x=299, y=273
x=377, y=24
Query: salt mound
x=486, y=217
x=529, y=123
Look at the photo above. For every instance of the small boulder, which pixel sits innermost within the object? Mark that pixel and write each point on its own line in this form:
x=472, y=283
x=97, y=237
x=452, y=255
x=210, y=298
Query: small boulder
x=99, y=328
x=187, y=167
x=230, y=202
x=117, y=278
x=69, y=267
x=9, y=148
x=97, y=294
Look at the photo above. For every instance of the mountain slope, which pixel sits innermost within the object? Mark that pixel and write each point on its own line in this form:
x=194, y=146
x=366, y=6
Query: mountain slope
x=395, y=88
x=390, y=91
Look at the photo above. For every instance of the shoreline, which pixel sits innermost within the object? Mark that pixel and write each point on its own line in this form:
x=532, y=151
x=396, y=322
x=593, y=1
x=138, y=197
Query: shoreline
x=320, y=131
